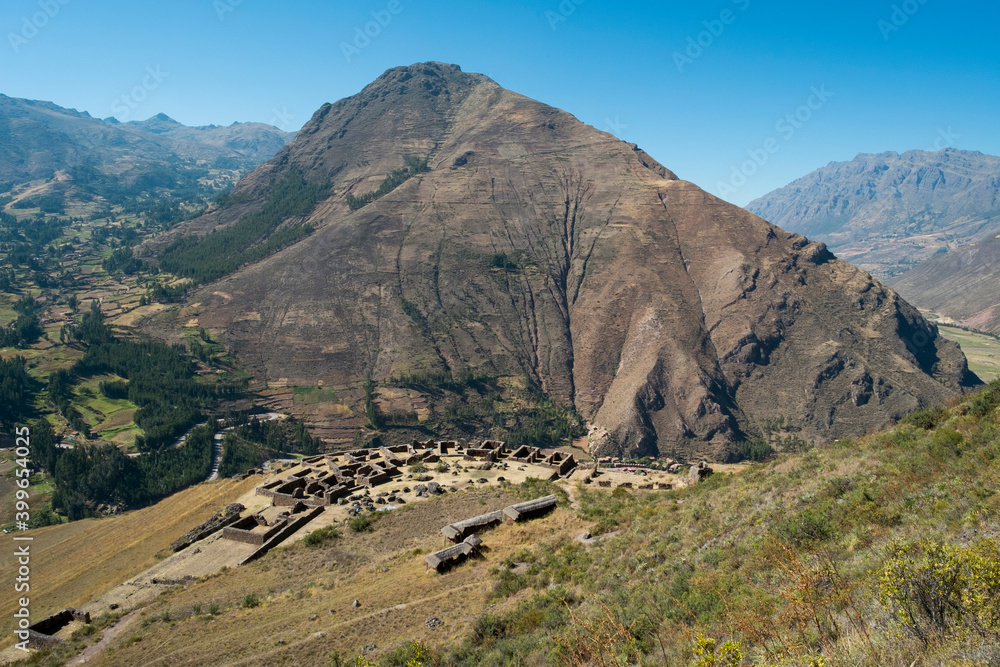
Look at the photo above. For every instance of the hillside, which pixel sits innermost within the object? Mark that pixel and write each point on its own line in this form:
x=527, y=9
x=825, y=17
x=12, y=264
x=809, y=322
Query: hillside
x=436, y=225
x=819, y=555
x=962, y=284
x=889, y=211
x=63, y=151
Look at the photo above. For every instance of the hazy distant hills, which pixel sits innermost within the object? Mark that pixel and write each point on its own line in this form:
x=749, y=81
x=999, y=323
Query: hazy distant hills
x=246, y=144
x=462, y=227
x=39, y=139
x=887, y=212
x=963, y=284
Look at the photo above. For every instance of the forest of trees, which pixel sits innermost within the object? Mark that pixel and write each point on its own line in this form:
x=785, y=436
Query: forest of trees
x=17, y=392
x=26, y=328
x=252, y=238
x=91, y=475
x=160, y=380
x=253, y=442
x=122, y=261
x=26, y=243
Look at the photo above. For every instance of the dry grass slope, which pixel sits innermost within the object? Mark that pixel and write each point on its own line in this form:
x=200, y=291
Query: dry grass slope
x=74, y=562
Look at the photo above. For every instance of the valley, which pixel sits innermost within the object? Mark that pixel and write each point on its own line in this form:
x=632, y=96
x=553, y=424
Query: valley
x=451, y=377
x=982, y=350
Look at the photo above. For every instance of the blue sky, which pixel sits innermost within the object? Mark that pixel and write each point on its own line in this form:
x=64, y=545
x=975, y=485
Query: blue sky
x=738, y=96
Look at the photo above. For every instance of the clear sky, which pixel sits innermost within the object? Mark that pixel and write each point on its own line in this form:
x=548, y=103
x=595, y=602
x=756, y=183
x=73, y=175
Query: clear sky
x=704, y=87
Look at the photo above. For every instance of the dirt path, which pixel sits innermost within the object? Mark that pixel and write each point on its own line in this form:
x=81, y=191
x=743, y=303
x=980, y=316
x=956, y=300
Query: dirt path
x=573, y=502
x=106, y=639
x=216, y=457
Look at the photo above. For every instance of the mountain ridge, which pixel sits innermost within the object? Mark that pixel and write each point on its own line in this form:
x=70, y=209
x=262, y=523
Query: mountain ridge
x=536, y=245
x=886, y=212
x=41, y=138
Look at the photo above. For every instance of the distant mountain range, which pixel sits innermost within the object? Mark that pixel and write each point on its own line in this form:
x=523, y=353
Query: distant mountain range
x=928, y=223
x=886, y=213
x=963, y=284
x=437, y=225
x=41, y=141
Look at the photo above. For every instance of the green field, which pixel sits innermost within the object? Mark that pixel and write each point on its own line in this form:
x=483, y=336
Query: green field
x=982, y=351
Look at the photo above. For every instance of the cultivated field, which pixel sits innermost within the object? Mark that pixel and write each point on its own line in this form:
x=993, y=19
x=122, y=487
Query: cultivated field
x=983, y=352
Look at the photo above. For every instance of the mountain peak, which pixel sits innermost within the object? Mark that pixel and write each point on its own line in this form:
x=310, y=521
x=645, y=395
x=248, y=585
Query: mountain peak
x=470, y=229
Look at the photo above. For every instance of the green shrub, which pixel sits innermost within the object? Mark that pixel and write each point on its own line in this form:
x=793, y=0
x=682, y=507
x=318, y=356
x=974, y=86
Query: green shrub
x=987, y=400
x=809, y=526
x=363, y=523
x=321, y=536
x=927, y=418
x=756, y=449
x=946, y=441
x=250, y=600
x=488, y=628
x=934, y=589
x=508, y=583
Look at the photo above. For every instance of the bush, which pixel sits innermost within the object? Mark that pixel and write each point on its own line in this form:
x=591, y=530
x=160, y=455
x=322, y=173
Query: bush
x=807, y=527
x=250, y=600
x=487, y=628
x=927, y=418
x=508, y=583
x=363, y=523
x=935, y=589
x=947, y=441
x=987, y=400
x=321, y=536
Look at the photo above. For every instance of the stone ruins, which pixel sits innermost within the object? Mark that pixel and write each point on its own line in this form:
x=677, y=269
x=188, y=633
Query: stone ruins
x=42, y=634
x=469, y=542
x=346, y=478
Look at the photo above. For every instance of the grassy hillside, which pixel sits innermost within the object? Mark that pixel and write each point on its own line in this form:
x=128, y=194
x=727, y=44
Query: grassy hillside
x=881, y=551
x=74, y=562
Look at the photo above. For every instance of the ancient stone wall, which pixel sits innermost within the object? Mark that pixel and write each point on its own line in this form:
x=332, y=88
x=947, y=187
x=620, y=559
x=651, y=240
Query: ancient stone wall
x=283, y=533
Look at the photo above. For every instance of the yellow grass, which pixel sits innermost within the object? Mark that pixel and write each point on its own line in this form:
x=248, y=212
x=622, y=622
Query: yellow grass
x=74, y=562
x=384, y=570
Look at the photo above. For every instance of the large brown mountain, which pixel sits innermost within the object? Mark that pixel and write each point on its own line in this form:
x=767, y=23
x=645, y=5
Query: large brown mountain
x=535, y=244
x=890, y=211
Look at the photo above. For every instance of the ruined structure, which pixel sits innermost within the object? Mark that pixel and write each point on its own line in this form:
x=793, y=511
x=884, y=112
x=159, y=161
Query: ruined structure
x=470, y=541
x=530, y=509
x=41, y=635
x=225, y=518
x=458, y=530
x=441, y=560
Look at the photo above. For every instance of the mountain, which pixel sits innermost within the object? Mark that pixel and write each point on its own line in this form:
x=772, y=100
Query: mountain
x=39, y=139
x=245, y=144
x=962, y=284
x=467, y=228
x=887, y=212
